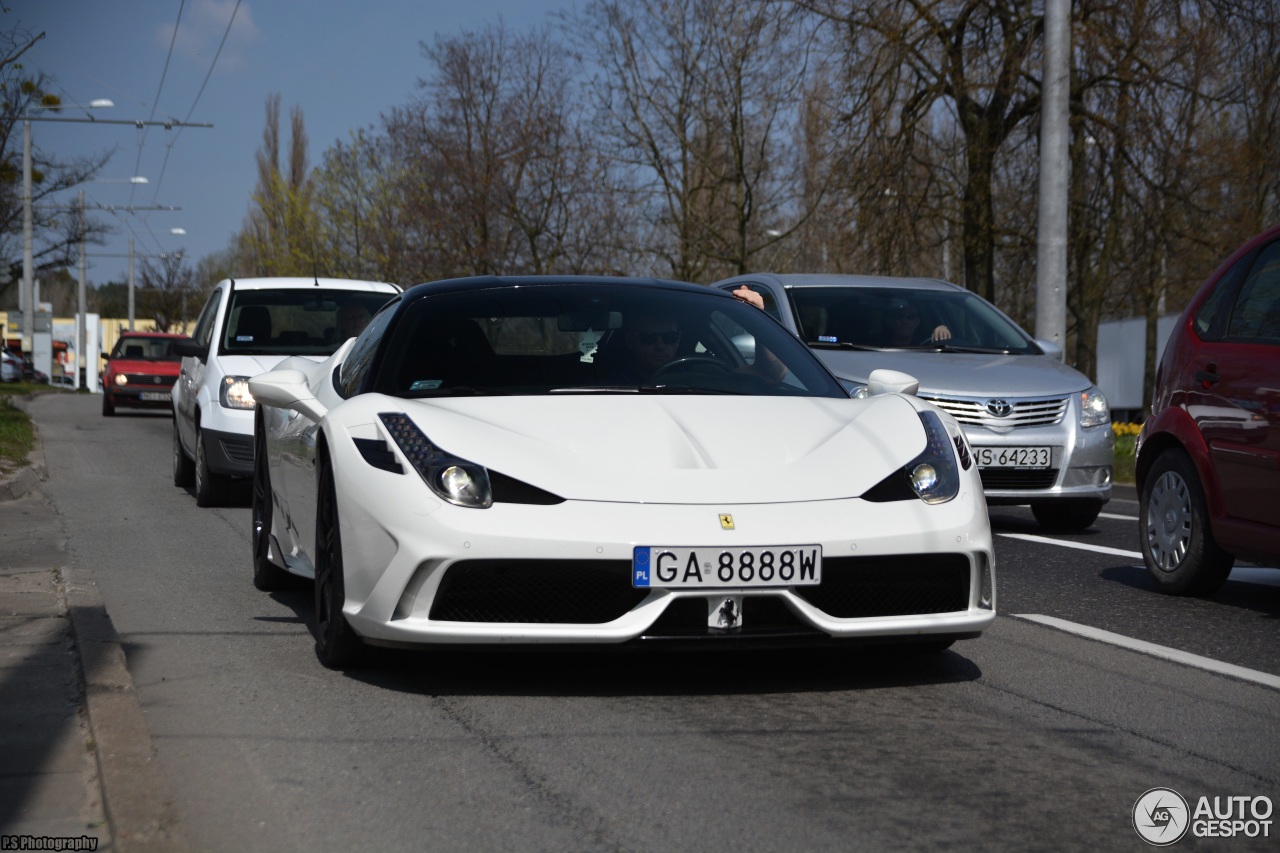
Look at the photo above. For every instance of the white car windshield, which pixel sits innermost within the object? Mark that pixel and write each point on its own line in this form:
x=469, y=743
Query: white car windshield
x=296, y=321
x=576, y=338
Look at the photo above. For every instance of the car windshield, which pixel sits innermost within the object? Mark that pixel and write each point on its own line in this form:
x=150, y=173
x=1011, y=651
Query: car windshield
x=594, y=338
x=145, y=349
x=903, y=318
x=296, y=321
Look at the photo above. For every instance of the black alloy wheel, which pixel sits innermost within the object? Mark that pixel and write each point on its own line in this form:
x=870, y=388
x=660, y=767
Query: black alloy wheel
x=337, y=645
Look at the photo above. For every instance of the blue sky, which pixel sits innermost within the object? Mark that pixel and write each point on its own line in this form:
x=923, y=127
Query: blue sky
x=343, y=63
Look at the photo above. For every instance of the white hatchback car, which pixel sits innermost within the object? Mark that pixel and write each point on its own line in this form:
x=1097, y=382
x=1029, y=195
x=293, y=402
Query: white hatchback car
x=248, y=326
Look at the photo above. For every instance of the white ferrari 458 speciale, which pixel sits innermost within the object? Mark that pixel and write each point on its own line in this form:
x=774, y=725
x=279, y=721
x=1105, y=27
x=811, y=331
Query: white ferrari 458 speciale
x=570, y=460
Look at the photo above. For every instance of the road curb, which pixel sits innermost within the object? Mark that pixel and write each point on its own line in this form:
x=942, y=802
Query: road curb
x=135, y=795
x=134, y=791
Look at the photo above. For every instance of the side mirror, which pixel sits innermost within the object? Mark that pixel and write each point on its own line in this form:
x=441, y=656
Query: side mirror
x=107, y=356
x=287, y=389
x=1050, y=348
x=187, y=347
x=891, y=382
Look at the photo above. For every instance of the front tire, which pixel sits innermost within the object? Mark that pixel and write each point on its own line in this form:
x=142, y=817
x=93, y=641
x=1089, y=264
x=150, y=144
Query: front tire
x=107, y=408
x=267, y=576
x=211, y=488
x=1067, y=516
x=183, y=471
x=337, y=645
x=1173, y=525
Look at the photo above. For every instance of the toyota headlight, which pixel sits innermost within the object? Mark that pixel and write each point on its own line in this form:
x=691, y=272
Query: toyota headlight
x=234, y=393
x=1094, y=410
x=455, y=480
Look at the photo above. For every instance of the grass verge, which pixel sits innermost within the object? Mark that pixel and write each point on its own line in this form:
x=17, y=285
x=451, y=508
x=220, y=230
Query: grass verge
x=17, y=435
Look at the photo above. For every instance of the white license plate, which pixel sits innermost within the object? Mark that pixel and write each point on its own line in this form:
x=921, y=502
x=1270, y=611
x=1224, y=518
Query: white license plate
x=717, y=567
x=153, y=396
x=1013, y=457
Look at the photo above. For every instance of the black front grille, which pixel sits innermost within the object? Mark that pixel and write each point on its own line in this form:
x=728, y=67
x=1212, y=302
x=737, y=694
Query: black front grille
x=576, y=592
x=150, y=379
x=900, y=585
x=1007, y=478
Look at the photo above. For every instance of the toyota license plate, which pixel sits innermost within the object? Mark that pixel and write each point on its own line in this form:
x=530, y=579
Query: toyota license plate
x=717, y=567
x=1013, y=457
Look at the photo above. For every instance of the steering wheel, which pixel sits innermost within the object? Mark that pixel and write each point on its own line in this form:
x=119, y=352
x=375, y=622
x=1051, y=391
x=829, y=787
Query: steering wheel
x=689, y=362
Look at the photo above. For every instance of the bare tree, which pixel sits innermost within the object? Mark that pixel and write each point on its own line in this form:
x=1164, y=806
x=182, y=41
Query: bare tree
x=55, y=233
x=169, y=292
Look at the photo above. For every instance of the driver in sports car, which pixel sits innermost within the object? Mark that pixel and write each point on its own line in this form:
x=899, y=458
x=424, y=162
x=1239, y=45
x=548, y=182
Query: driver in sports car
x=650, y=342
x=654, y=341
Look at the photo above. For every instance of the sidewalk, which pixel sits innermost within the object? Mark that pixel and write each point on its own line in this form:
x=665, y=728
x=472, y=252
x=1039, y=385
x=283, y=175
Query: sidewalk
x=76, y=758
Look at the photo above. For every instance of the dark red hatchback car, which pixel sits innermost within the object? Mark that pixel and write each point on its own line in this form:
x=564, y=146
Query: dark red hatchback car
x=141, y=370
x=1208, y=467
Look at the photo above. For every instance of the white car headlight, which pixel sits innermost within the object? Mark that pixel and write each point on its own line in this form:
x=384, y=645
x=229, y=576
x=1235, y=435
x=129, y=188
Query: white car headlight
x=234, y=393
x=121, y=379
x=1094, y=410
x=455, y=480
x=933, y=476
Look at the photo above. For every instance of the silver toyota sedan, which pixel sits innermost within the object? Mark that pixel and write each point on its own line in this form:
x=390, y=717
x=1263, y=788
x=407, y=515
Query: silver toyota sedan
x=1040, y=430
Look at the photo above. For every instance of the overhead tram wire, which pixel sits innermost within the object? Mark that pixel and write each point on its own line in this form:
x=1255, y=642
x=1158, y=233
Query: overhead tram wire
x=155, y=104
x=169, y=145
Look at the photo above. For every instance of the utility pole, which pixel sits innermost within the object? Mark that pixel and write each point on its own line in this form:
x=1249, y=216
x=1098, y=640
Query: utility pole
x=131, y=284
x=1051, y=240
x=27, y=290
x=82, y=357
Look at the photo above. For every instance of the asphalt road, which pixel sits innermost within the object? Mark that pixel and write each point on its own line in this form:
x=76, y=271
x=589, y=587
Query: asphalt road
x=1030, y=737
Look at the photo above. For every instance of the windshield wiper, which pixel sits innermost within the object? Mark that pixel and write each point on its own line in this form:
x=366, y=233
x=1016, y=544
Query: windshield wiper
x=839, y=345
x=459, y=391
x=596, y=389
x=977, y=350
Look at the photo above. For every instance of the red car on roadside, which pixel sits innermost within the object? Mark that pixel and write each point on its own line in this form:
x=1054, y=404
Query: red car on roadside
x=1208, y=466
x=141, y=370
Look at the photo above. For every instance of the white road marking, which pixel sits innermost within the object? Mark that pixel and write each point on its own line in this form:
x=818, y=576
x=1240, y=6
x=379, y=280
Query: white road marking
x=1117, y=517
x=1097, y=549
x=1176, y=655
x=1268, y=576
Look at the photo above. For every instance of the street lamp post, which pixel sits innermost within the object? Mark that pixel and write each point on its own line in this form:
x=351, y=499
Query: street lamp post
x=27, y=290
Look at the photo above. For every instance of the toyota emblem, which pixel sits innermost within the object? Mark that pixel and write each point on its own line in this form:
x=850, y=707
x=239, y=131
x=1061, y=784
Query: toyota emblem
x=999, y=408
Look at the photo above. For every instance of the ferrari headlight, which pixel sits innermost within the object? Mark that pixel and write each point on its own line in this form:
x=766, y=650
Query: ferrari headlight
x=1094, y=410
x=934, y=475
x=121, y=379
x=455, y=480
x=234, y=393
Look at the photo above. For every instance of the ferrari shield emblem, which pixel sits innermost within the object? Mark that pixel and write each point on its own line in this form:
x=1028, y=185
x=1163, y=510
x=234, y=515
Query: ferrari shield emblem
x=726, y=521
